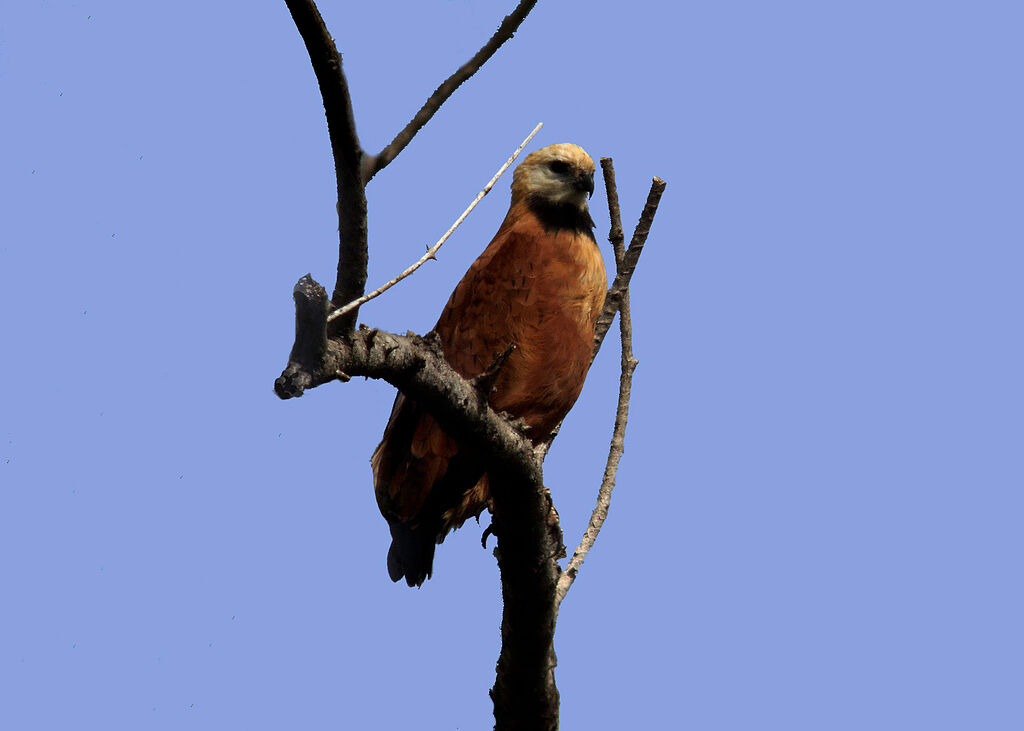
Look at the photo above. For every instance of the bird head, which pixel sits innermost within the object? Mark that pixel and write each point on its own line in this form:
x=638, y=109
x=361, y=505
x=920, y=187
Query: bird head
x=556, y=175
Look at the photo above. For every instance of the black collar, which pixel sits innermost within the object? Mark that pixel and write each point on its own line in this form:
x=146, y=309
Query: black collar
x=561, y=217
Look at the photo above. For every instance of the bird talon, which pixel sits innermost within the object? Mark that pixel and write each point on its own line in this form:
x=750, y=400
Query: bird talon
x=488, y=531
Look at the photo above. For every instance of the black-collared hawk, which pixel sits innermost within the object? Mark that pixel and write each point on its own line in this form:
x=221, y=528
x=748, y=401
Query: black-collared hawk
x=540, y=285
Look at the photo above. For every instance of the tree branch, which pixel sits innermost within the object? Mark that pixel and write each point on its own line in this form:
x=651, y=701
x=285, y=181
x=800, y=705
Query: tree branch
x=413, y=364
x=616, y=237
x=629, y=260
x=615, y=452
x=508, y=27
x=625, y=263
x=352, y=235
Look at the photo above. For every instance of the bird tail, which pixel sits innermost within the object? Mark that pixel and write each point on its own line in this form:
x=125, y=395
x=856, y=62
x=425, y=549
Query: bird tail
x=412, y=552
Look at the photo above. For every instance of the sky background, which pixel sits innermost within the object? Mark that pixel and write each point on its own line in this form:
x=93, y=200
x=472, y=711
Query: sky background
x=818, y=518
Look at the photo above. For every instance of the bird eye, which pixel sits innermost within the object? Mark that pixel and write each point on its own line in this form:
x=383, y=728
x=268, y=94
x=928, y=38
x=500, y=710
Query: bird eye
x=558, y=167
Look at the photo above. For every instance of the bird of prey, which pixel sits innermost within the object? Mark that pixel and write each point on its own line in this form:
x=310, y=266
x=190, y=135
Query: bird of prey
x=540, y=285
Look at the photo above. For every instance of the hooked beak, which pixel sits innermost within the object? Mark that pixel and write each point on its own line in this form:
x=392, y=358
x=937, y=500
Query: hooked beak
x=586, y=182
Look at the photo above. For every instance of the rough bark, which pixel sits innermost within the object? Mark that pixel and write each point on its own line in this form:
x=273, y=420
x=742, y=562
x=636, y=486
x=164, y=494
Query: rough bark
x=413, y=364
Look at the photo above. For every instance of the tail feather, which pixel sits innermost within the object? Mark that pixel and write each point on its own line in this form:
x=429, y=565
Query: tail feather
x=425, y=487
x=412, y=552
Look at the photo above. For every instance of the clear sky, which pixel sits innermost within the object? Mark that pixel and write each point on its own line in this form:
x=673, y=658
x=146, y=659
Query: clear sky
x=818, y=517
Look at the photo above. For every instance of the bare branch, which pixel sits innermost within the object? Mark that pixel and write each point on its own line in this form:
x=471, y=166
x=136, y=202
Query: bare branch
x=625, y=262
x=615, y=234
x=629, y=261
x=432, y=251
x=508, y=27
x=615, y=452
x=417, y=367
x=352, y=254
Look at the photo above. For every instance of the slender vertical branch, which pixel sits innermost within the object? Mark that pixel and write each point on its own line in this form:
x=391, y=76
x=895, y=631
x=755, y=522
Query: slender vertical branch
x=615, y=235
x=508, y=27
x=625, y=263
x=615, y=452
x=341, y=125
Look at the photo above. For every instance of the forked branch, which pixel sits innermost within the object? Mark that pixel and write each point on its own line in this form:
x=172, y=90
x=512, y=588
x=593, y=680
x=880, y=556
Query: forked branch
x=353, y=169
x=625, y=263
x=624, y=272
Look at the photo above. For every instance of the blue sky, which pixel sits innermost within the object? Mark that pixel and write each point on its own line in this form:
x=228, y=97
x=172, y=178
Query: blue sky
x=817, y=523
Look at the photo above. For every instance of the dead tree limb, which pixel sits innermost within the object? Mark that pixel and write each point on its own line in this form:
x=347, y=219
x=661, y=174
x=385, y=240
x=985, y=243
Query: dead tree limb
x=625, y=262
x=413, y=364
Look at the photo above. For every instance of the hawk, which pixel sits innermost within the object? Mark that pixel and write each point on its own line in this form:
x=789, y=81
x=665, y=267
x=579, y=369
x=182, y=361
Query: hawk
x=540, y=285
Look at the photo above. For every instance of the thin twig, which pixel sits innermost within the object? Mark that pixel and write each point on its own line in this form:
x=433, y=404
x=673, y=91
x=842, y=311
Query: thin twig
x=352, y=247
x=511, y=23
x=432, y=251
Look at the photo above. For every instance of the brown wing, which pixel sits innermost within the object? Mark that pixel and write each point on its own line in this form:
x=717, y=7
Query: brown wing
x=538, y=289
